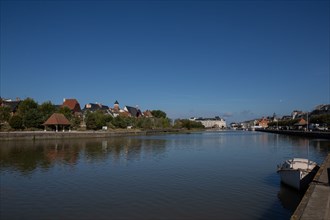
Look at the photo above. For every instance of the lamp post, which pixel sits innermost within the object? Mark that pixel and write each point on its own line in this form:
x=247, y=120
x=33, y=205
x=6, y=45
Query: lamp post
x=307, y=123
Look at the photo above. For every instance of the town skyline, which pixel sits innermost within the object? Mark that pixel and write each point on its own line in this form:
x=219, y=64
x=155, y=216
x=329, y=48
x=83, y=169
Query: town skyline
x=116, y=105
x=237, y=60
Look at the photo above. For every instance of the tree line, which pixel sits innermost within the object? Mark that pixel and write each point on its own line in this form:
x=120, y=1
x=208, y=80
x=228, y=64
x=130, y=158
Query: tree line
x=31, y=116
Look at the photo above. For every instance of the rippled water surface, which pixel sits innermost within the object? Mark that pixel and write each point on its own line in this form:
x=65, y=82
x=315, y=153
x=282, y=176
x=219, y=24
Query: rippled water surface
x=209, y=175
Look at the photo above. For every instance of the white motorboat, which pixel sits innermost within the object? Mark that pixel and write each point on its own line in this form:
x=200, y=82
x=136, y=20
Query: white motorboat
x=297, y=172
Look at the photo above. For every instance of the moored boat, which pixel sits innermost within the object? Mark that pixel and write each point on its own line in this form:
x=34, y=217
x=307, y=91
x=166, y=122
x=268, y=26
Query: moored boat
x=297, y=172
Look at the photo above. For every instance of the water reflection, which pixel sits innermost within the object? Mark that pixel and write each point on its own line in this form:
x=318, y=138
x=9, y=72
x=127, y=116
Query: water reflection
x=27, y=156
x=289, y=197
x=23, y=159
x=196, y=176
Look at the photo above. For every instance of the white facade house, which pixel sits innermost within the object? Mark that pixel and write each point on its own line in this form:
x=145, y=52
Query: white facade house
x=215, y=122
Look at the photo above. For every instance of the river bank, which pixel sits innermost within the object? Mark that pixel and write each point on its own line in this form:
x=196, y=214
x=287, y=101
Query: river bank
x=74, y=177
x=316, y=201
x=34, y=135
x=308, y=134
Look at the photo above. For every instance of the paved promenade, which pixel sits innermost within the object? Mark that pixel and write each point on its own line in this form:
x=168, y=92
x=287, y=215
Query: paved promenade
x=316, y=201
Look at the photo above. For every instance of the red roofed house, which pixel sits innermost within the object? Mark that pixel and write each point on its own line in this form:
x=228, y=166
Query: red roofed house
x=147, y=114
x=72, y=104
x=57, y=119
x=301, y=124
x=263, y=123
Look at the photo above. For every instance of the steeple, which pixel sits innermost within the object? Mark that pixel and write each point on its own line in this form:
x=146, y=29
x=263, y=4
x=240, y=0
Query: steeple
x=116, y=106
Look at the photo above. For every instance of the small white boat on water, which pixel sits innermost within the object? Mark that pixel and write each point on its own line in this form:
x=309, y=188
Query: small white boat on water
x=297, y=172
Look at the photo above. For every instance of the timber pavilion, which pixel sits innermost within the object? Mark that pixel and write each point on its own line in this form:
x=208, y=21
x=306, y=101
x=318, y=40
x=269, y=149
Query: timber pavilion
x=57, y=120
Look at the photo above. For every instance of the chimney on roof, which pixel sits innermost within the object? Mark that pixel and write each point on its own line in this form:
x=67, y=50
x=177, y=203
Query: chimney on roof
x=64, y=99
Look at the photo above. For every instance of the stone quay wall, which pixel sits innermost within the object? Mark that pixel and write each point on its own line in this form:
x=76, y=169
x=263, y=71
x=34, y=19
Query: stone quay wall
x=34, y=135
x=308, y=134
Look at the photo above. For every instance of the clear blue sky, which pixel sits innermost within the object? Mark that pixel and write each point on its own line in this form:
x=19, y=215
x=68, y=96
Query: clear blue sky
x=234, y=59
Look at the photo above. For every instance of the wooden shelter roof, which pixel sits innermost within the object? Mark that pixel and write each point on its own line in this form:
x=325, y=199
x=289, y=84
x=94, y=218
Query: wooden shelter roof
x=57, y=119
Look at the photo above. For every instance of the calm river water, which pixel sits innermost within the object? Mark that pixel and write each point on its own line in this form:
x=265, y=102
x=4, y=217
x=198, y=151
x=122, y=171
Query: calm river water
x=209, y=175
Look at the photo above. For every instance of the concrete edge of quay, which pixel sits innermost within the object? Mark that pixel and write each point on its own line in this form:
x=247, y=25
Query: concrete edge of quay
x=308, y=134
x=316, y=201
x=313, y=206
x=39, y=135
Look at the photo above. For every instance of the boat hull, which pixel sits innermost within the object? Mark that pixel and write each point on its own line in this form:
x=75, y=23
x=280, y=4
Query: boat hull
x=290, y=178
x=296, y=179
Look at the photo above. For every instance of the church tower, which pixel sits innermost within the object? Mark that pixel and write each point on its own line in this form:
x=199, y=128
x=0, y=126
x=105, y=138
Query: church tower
x=116, y=106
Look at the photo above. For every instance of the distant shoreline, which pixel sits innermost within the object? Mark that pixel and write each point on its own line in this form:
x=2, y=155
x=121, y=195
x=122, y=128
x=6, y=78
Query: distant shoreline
x=38, y=135
x=42, y=135
x=307, y=134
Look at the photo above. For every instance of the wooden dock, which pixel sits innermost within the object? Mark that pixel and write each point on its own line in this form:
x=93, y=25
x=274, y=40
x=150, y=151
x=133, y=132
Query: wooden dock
x=316, y=201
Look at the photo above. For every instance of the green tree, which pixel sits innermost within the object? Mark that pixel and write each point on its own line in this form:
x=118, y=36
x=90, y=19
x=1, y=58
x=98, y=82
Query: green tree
x=96, y=120
x=320, y=119
x=31, y=116
x=46, y=109
x=66, y=112
x=166, y=122
x=26, y=105
x=283, y=123
x=4, y=114
x=32, y=119
x=121, y=122
x=177, y=123
x=186, y=123
x=16, y=122
x=91, y=121
x=75, y=121
x=158, y=114
x=144, y=123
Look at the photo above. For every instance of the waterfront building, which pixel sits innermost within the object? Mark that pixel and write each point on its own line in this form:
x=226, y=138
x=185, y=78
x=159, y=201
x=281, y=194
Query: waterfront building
x=115, y=111
x=263, y=123
x=296, y=114
x=147, y=114
x=133, y=111
x=92, y=107
x=323, y=107
x=301, y=124
x=57, y=120
x=235, y=126
x=215, y=122
x=127, y=111
x=72, y=104
x=116, y=106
